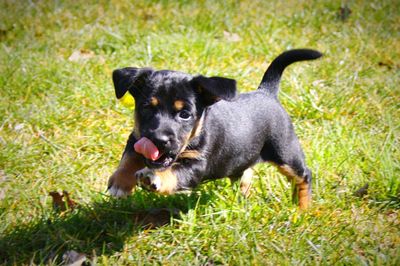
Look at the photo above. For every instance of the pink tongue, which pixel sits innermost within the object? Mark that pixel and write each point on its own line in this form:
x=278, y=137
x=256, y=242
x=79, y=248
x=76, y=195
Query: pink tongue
x=145, y=147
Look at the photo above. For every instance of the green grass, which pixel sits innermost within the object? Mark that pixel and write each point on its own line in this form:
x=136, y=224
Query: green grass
x=62, y=129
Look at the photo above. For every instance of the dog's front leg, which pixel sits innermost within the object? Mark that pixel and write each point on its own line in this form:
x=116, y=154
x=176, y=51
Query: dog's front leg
x=123, y=180
x=170, y=180
x=161, y=181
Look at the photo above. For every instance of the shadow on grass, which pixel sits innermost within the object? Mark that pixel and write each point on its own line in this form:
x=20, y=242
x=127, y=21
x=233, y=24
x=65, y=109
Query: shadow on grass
x=100, y=228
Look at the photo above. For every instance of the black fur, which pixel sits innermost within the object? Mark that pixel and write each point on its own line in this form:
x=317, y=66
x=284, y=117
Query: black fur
x=237, y=131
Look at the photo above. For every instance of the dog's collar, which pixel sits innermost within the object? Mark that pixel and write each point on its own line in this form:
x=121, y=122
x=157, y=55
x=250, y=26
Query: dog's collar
x=194, y=133
x=197, y=128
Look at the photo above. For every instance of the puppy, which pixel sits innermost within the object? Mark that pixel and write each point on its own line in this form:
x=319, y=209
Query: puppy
x=203, y=130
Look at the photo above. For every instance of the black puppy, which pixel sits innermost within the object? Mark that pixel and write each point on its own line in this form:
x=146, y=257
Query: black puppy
x=203, y=130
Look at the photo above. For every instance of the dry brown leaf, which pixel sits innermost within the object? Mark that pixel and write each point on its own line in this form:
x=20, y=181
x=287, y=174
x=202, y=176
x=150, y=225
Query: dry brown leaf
x=81, y=55
x=3, y=189
x=362, y=191
x=232, y=37
x=344, y=12
x=70, y=202
x=62, y=201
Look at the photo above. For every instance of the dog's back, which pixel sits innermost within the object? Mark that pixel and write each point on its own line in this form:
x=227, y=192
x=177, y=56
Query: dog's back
x=243, y=131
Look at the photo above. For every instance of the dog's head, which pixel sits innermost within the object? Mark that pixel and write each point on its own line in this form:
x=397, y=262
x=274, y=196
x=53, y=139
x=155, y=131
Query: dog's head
x=169, y=106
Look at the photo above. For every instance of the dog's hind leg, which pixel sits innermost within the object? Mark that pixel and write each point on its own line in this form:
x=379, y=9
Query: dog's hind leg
x=289, y=159
x=301, y=183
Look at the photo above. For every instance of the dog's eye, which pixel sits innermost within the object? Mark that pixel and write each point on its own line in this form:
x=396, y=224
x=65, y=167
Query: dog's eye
x=184, y=115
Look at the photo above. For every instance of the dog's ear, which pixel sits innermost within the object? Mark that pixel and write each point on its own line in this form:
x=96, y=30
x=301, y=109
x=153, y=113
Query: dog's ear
x=129, y=79
x=213, y=89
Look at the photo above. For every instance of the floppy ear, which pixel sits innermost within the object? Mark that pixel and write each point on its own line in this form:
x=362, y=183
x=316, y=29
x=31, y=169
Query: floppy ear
x=129, y=79
x=213, y=89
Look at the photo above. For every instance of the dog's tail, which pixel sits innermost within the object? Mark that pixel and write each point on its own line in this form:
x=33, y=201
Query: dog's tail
x=272, y=76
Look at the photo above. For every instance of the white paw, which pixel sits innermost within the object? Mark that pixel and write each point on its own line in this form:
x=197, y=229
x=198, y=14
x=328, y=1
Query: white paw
x=148, y=179
x=117, y=192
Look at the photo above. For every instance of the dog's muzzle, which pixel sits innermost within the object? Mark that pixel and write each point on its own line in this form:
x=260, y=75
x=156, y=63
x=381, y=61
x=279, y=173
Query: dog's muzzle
x=164, y=161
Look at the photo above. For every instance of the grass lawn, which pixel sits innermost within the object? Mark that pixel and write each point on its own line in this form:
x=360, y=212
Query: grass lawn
x=61, y=128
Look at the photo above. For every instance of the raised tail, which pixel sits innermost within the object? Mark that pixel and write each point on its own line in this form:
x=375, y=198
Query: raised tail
x=272, y=76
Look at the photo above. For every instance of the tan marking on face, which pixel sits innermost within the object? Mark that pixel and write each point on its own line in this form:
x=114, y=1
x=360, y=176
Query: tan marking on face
x=178, y=105
x=154, y=101
x=169, y=181
x=124, y=176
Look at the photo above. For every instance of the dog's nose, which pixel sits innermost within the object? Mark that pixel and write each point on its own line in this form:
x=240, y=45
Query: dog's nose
x=161, y=140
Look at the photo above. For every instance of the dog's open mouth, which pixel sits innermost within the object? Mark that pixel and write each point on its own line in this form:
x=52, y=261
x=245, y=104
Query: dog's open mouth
x=165, y=160
x=154, y=157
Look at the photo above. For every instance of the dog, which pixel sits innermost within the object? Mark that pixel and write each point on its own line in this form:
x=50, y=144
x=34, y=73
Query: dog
x=204, y=130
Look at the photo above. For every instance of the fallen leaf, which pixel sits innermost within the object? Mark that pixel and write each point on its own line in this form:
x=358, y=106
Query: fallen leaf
x=2, y=193
x=70, y=203
x=361, y=192
x=81, y=55
x=3, y=176
x=232, y=37
x=389, y=64
x=62, y=201
x=3, y=189
x=3, y=33
x=73, y=258
x=209, y=262
x=58, y=202
x=19, y=127
x=344, y=13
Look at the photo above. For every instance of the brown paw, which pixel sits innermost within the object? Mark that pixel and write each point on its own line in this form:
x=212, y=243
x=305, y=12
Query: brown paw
x=121, y=183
